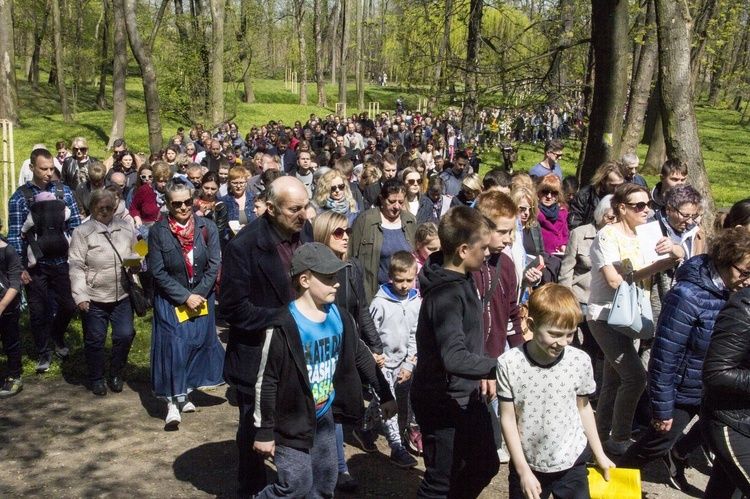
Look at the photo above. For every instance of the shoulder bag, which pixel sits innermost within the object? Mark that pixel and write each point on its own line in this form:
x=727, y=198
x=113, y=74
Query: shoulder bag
x=631, y=312
x=138, y=298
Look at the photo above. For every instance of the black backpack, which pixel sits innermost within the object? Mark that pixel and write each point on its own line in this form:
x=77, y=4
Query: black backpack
x=47, y=238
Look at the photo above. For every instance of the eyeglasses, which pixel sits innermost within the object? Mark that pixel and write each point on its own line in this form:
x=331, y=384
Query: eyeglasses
x=412, y=181
x=685, y=217
x=146, y=177
x=638, y=207
x=237, y=184
x=524, y=209
x=339, y=187
x=744, y=274
x=176, y=205
x=550, y=192
x=105, y=209
x=339, y=233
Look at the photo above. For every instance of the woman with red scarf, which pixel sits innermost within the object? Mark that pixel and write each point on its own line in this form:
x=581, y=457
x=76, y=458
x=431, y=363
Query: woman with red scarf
x=183, y=257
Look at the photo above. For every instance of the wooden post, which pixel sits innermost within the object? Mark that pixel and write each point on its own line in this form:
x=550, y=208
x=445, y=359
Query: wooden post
x=9, y=168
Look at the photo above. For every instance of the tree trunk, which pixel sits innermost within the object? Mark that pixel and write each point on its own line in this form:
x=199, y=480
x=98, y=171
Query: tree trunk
x=101, y=100
x=8, y=85
x=59, y=66
x=317, y=34
x=609, y=34
x=360, y=58
x=700, y=35
x=558, y=69
x=180, y=21
x=40, y=28
x=246, y=55
x=299, y=18
x=677, y=108
x=588, y=94
x=640, y=87
x=335, y=43
x=471, y=100
x=148, y=74
x=157, y=23
x=441, y=67
x=217, y=61
x=657, y=150
x=344, y=49
x=119, y=73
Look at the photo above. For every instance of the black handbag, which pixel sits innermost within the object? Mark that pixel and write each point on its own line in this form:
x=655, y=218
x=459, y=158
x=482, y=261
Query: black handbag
x=138, y=299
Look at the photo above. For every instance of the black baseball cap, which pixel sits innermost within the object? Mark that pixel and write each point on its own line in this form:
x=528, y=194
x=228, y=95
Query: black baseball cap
x=318, y=258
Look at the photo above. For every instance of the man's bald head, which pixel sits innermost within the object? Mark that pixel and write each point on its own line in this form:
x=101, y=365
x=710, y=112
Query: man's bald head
x=118, y=179
x=287, y=198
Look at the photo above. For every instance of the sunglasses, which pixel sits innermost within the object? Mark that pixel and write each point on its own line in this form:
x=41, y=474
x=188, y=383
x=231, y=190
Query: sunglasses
x=146, y=177
x=744, y=274
x=105, y=209
x=339, y=233
x=558, y=155
x=550, y=192
x=413, y=181
x=638, y=207
x=524, y=209
x=82, y=149
x=339, y=187
x=176, y=205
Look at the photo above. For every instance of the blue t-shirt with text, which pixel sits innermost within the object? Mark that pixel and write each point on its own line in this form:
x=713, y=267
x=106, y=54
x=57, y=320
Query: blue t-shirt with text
x=321, y=342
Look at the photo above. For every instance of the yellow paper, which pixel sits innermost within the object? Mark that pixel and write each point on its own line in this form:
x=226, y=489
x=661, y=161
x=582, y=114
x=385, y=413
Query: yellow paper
x=623, y=483
x=141, y=247
x=184, y=314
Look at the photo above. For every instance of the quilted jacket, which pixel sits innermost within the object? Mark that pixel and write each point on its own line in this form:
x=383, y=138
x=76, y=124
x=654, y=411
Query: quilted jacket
x=682, y=336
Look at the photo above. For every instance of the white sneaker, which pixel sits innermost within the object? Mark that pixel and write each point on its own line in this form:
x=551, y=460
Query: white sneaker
x=188, y=407
x=504, y=457
x=173, y=415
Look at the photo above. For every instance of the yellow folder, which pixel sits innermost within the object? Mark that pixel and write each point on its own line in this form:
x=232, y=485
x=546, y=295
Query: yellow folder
x=184, y=314
x=623, y=483
x=141, y=247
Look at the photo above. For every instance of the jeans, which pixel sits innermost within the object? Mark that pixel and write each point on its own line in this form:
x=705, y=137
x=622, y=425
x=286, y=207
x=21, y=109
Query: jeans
x=341, y=457
x=653, y=444
x=307, y=473
x=732, y=462
x=44, y=325
x=9, y=335
x=623, y=382
x=95, y=323
x=459, y=448
x=572, y=483
x=251, y=472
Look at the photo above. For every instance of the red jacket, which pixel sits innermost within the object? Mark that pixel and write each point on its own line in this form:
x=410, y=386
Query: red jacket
x=144, y=204
x=503, y=306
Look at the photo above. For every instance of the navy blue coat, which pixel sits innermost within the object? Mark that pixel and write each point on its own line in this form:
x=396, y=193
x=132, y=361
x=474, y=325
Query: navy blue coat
x=167, y=265
x=682, y=336
x=254, y=287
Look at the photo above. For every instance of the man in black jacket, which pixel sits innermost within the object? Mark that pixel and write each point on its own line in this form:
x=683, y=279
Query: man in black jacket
x=606, y=178
x=255, y=284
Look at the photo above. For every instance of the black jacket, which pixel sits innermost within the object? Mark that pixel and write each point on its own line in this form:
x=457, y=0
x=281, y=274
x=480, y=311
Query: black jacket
x=450, y=338
x=581, y=209
x=254, y=285
x=726, y=367
x=352, y=298
x=287, y=408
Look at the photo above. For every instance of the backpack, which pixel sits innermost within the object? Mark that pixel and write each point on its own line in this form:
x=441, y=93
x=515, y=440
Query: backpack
x=48, y=237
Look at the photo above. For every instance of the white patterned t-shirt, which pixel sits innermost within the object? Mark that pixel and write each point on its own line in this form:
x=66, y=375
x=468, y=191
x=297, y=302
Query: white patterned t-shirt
x=544, y=397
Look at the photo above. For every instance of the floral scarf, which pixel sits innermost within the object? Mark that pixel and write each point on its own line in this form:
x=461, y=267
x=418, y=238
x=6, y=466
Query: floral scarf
x=185, y=236
x=338, y=206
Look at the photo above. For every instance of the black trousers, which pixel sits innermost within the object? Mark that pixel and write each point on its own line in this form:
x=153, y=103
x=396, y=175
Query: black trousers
x=732, y=462
x=11, y=338
x=572, y=483
x=251, y=473
x=45, y=325
x=459, y=448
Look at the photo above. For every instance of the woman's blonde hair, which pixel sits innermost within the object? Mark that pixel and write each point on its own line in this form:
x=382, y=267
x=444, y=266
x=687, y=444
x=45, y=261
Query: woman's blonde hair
x=237, y=173
x=521, y=193
x=161, y=171
x=472, y=182
x=422, y=179
x=326, y=223
x=323, y=190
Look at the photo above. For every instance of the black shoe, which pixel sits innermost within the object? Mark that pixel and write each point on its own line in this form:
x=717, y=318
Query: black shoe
x=115, y=384
x=366, y=439
x=99, y=389
x=346, y=483
x=676, y=471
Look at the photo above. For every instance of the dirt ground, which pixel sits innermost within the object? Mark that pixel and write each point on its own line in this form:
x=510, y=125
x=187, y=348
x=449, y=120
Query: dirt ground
x=59, y=440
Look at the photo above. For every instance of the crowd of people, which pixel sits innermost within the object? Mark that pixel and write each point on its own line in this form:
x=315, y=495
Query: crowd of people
x=371, y=279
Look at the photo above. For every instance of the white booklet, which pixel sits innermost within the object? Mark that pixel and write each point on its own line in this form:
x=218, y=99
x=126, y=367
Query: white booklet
x=648, y=235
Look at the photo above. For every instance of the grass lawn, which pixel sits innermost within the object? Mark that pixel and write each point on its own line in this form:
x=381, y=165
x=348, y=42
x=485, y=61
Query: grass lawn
x=723, y=141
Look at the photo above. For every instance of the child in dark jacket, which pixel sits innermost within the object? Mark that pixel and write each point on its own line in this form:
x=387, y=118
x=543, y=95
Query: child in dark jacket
x=310, y=374
x=450, y=387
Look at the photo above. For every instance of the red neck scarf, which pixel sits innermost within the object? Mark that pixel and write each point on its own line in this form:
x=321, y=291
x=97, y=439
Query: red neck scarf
x=185, y=237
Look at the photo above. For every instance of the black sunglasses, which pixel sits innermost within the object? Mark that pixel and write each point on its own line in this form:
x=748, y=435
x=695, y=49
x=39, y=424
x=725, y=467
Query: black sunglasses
x=550, y=192
x=339, y=233
x=339, y=187
x=176, y=205
x=638, y=207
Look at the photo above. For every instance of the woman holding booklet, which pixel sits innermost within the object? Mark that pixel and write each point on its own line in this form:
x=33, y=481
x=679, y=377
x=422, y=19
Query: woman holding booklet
x=183, y=257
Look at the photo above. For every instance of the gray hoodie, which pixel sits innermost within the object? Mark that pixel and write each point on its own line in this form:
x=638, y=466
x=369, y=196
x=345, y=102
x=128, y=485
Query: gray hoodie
x=396, y=321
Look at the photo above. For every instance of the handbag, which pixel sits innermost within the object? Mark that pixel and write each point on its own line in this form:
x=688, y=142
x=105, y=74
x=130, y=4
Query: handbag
x=631, y=312
x=138, y=299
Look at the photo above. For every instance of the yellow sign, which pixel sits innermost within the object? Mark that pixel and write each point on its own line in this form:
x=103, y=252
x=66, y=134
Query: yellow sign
x=141, y=247
x=623, y=483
